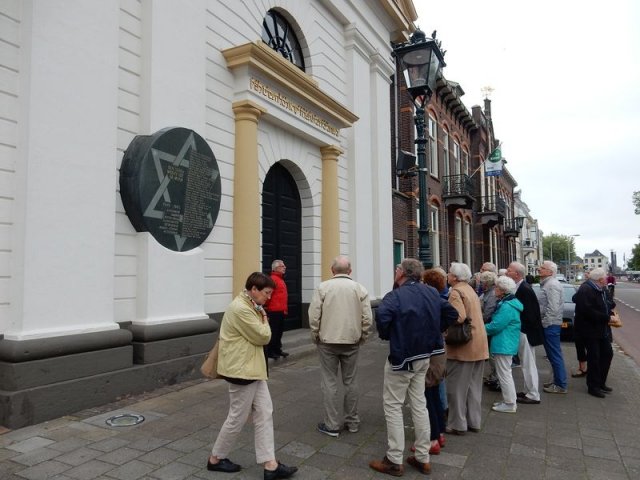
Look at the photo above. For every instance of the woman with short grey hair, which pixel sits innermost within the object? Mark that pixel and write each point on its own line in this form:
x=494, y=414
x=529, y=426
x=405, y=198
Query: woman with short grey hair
x=488, y=297
x=507, y=285
x=504, y=330
x=488, y=302
x=461, y=271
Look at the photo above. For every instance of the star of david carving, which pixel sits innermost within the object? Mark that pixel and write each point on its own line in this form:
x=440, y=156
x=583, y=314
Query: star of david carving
x=178, y=160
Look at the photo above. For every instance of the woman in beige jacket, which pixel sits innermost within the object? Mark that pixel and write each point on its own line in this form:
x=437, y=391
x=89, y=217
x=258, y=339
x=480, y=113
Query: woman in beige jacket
x=465, y=363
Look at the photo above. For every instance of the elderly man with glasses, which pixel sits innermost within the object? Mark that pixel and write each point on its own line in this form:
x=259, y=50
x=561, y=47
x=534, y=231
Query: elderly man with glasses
x=551, y=304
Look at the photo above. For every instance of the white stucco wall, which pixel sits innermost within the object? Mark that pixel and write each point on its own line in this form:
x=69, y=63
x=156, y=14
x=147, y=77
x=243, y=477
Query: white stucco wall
x=82, y=79
x=62, y=214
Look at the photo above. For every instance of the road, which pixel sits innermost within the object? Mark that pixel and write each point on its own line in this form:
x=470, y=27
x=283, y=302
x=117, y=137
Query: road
x=627, y=297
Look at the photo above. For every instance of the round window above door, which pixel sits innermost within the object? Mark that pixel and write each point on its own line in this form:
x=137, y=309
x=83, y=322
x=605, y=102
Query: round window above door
x=278, y=33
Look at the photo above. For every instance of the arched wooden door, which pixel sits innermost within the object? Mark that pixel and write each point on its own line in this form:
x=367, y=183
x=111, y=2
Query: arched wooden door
x=282, y=235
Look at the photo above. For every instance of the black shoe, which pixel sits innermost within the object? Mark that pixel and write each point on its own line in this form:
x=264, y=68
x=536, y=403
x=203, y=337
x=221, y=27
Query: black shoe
x=275, y=356
x=527, y=401
x=224, y=465
x=281, y=472
x=283, y=354
x=596, y=392
x=322, y=428
x=606, y=389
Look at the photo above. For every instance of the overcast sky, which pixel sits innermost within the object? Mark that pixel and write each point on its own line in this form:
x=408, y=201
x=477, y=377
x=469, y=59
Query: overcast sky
x=565, y=104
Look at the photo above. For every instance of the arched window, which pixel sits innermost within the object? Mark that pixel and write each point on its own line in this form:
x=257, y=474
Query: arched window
x=279, y=35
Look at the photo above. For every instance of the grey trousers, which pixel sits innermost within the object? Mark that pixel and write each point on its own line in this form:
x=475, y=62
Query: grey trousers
x=464, y=392
x=332, y=357
x=253, y=399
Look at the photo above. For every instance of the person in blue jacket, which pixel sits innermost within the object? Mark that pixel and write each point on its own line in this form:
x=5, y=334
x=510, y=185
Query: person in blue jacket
x=412, y=318
x=504, y=330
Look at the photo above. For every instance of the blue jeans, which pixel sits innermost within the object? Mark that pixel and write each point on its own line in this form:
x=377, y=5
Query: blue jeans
x=554, y=354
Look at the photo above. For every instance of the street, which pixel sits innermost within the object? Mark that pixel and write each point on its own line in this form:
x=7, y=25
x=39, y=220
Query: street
x=573, y=436
x=627, y=297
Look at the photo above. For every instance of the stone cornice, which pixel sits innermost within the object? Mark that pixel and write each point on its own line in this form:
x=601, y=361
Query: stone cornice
x=261, y=59
x=403, y=14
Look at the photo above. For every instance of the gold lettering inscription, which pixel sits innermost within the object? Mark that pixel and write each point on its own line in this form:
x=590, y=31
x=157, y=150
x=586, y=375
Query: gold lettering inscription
x=296, y=109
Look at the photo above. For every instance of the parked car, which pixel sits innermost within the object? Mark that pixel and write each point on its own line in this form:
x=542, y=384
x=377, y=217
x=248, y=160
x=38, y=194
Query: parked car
x=568, y=309
x=561, y=277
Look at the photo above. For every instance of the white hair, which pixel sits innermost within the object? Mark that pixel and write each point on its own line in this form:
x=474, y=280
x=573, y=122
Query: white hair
x=488, y=278
x=551, y=266
x=597, y=274
x=488, y=267
x=276, y=263
x=519, y=268
x=461, y=271
x=502, y=272
x=506, y=284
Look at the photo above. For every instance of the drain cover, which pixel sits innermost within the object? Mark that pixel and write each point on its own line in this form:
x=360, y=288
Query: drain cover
x=124, y=420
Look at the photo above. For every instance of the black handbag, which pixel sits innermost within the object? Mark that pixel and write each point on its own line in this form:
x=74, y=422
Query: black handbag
x=459, y=333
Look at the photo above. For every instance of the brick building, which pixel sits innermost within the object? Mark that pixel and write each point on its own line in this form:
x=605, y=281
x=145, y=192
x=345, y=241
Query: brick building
x=471, y=216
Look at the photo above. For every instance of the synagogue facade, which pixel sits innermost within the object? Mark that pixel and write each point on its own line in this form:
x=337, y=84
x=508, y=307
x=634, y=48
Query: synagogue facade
x=153, y=154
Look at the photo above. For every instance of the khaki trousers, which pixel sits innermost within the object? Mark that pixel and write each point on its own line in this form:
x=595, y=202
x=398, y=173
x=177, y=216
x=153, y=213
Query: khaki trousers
x=245, y=400
x=397, y=385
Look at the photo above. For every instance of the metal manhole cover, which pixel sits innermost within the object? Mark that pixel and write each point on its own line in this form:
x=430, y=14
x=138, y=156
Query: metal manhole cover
x=124, y=420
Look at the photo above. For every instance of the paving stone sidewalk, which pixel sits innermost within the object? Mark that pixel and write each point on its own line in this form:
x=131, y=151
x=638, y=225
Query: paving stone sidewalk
x=573, y=436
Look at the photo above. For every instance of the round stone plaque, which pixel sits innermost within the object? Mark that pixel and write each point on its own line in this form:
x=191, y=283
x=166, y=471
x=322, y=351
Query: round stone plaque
x=170, y=187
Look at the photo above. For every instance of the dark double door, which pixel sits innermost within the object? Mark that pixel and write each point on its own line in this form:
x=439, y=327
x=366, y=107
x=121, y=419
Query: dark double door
x=282, y=235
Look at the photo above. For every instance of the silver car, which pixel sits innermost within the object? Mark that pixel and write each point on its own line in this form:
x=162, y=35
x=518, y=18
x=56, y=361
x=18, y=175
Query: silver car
x=568, y=309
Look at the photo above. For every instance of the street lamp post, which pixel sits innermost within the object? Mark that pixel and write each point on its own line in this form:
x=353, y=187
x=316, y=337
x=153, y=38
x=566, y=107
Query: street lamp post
x=420, y=60
x=569, y=251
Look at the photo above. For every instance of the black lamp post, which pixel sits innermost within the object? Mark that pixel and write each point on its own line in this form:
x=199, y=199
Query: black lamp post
x=420, y=59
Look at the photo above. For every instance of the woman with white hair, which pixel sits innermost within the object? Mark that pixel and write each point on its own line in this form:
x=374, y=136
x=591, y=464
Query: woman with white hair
x=488, y=302
x=465, y=363
x=504, y=330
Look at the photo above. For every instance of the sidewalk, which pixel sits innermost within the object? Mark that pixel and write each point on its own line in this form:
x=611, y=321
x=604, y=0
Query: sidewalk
x=573, y=436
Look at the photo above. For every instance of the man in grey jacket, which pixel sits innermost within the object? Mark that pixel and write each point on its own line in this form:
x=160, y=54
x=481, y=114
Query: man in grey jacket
x=340, y=320
x=551, y=304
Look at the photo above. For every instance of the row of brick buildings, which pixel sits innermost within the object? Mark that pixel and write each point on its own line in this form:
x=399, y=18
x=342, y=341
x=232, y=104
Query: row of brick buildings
x=472, y=217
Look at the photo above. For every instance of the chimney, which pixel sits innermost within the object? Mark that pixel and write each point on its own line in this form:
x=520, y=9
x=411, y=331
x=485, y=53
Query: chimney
x=487, y=107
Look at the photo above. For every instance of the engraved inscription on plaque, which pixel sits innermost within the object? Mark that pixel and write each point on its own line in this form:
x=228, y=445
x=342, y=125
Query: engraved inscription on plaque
x=170, y=187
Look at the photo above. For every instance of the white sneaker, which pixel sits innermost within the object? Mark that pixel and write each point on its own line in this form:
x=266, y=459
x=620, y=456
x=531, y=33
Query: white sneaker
x=504, y=408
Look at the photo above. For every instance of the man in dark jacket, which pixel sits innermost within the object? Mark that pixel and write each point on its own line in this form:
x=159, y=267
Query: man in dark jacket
x=531, y=334
x=412, y=318
x=593, y=312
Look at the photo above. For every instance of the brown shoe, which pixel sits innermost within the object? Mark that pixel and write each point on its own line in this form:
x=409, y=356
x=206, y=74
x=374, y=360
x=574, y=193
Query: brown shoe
x=424, y=468
x=387, y=466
